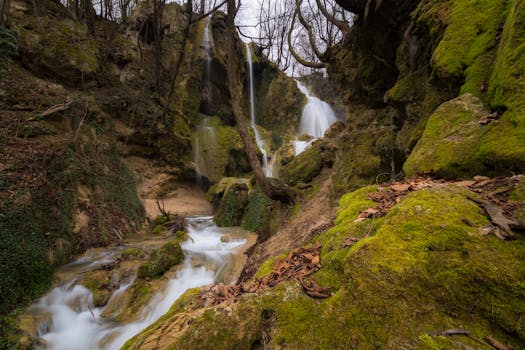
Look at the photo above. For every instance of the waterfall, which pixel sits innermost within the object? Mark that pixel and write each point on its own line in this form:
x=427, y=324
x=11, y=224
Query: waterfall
x=316, y=118
x=76, y=324
x=206, y=43
x=267, y=170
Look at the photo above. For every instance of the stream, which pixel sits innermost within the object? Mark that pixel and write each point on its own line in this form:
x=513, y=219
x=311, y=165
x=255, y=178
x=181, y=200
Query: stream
x=70, y=321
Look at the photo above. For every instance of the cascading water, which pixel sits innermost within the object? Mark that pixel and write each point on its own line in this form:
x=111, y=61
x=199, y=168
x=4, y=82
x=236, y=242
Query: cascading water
x=316, y=118
x=76, y=324
x=317, y=115
x=207, y=42
x=267, y=170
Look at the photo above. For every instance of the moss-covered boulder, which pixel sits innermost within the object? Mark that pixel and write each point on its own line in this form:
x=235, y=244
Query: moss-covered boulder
x=412, y=273
x=303, y=168
x=232, y=206
x=161, y=260
x=100, y=286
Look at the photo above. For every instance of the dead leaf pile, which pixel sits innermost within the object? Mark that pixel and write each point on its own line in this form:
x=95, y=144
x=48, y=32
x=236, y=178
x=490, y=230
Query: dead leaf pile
x=298, y=265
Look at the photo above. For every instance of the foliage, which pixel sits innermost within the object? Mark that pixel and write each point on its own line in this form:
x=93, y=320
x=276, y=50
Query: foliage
x=8, y=46
x=257, y=203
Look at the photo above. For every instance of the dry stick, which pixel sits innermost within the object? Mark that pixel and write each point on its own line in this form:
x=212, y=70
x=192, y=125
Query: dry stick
x=56, y=108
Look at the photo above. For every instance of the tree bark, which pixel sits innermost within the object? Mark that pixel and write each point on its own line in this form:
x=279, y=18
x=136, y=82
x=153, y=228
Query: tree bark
x=4, y=12
x=236, y=92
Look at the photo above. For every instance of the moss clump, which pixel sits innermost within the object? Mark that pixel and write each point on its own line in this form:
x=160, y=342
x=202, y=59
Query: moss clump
x=158, y=230
x=257, y=203
x=161, y=260
x=303, y=168
x=232, y=206
x=99, y=285
x=131, y=253
x=471, y=33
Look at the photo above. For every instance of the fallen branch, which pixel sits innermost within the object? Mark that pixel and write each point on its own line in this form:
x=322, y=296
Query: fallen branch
x=55, y=109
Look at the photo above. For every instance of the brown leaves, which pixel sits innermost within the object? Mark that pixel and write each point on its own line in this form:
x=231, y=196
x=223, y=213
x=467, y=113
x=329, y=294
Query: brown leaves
x=493, y=192
x=298, y=265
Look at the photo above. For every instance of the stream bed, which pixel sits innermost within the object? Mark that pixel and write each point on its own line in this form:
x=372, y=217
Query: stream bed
x=65, y=318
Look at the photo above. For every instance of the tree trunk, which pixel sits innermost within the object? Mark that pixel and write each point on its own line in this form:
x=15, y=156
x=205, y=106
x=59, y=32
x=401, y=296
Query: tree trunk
x=4, y=12
x=236, y=92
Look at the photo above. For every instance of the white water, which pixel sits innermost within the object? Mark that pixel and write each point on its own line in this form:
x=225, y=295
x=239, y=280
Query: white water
x=316, y=118
x=77, y=325
x=267, y=170
x=207, y=43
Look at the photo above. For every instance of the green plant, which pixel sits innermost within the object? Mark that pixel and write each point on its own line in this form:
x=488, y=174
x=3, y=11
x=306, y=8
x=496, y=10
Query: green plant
x=8, y=46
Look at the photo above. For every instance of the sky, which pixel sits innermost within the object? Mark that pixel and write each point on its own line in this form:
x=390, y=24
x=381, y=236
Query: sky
x=248, y=16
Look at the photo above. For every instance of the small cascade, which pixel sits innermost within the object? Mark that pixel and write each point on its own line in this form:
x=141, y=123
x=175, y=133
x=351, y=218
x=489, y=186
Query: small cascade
x=267, y=170
x=74, y=322
x=316, y=118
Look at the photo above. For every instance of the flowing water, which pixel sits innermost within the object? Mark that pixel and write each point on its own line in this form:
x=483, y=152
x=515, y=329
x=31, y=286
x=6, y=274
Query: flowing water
x=211, y=255
x=207, y=43
x=316, y=118
x=266, y=168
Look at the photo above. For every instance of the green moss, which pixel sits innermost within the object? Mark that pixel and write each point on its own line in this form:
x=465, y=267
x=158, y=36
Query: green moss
x=140, y=294
x=237, y=327
x=472, y=31
x=232, y=206
x=161, y=260
x=303, y=168
x=59, y=48
x=131, y=252
x=97, y=283
x=420, y=270
x=220, y=150
x=257, y=203
x=8, y=46
x=158, y=230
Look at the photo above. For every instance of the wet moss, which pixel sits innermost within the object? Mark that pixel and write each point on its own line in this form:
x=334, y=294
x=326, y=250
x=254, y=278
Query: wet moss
x=415, y=273
x=161, y=260
x=131, y=252
x=257, y=204
x=232, y=206
x=470, y=34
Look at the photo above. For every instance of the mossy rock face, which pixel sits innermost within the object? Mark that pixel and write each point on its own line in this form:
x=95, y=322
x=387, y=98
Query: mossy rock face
x=57, y=48
x=161, y=260
x=411, y=272
x=303, y=168
x=220, y=150
x=232, y=206
x=283, y=105
x=367, y=149
x=455, y=145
